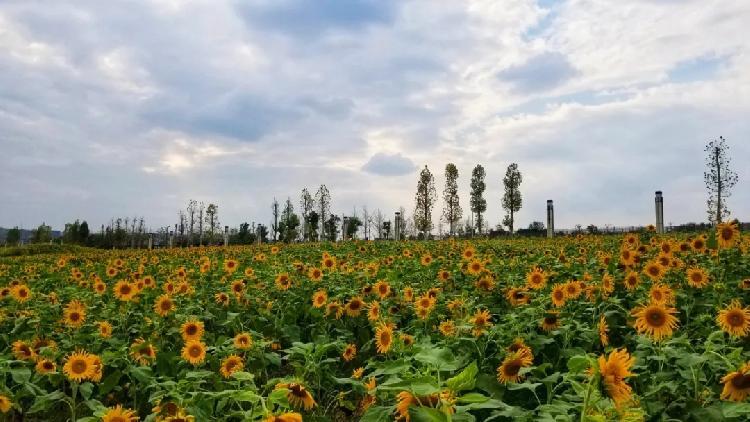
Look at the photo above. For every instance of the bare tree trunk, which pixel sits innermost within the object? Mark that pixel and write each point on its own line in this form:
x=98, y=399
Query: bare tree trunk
x=718, y=190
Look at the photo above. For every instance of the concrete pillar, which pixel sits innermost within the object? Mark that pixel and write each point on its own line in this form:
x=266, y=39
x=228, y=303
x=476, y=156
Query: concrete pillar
x=397, y=228
x=659, y=202
x=550, y=219
x=150, y=241
x=170, y=235
x=226, y=236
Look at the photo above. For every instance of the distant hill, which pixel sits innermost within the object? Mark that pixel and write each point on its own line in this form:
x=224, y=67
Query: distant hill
x=25, y=234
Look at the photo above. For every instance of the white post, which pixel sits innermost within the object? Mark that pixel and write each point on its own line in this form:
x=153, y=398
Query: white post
x=550, y=219
x=171, y=238
x=659, y=202
x=150, y=241
x=226, y=236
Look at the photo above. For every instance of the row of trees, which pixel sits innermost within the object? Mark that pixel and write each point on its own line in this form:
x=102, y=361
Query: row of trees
x=426, y=197
x=199, y=223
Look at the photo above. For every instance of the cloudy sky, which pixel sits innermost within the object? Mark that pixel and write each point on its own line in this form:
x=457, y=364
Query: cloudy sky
x=124, y=108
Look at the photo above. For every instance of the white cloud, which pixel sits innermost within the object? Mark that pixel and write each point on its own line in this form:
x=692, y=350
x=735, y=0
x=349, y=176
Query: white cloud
x=127, y=107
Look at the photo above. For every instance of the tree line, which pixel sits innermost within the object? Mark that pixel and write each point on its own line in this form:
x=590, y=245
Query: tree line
x=198, y=224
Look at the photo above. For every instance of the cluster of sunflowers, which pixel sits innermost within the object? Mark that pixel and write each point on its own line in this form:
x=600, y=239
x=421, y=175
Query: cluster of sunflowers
x=628, y=327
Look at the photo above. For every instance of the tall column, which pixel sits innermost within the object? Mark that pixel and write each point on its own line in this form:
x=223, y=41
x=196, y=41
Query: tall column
x=397, y=228
x=550, y=219
x=226, y=236
x=659, y=202
x=171, y=238
x=150, y=241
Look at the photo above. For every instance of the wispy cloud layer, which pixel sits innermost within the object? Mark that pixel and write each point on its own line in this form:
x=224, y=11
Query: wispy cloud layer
x=132, y=108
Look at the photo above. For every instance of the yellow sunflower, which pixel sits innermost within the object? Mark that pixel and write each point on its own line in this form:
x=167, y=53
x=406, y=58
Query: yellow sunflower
x=383, y=289
x=105, y=329
x=74, y=314
x=509, y=370
x=21, y=293
x=536, y=278
x=349, y=352
x=315, y=274
x=734, y=319
x=558, y=295
x=230, y=266
x=119, y=414
x=614, y=369
x=284, y=417
x=79, y=366
x=447, y=328
x=243, y=341
x=23, y=351
x=5, y=403
x=354, y=306
x=319, y=299
x=737, y=384
x=481, y=321
x=164, y=305
x=143, y=352
x=124, y=291
x=603, y=331
x=357, y=373
x=727, y=234
x=697, y=277
x=632, y=281
x=373, y=311
x=550, y=321
x=297, y=395
x=194, y=352
x=475, y=267
x=45, y=366
x=384, y=338
x=656, y=320
x=283, y=282
x=191, y=330
x=654, y=270
x=230, y=365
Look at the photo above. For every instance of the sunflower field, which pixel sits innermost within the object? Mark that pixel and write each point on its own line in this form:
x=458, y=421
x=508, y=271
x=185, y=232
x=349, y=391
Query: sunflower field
x=589, y=328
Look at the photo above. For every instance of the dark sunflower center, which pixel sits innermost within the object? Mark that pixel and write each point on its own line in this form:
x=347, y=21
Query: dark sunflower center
x=512, y=368
x=194, y=351
x=550, y=320
x=655, y=318
x=735, y=319
x=727, y=234
x=741, y=381
x=79, y=367
x=191, y=330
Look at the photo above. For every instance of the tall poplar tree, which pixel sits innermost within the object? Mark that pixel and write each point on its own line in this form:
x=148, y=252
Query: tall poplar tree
x=425, y=200
x=452, y=212
x=512, y=199
x=476, y=201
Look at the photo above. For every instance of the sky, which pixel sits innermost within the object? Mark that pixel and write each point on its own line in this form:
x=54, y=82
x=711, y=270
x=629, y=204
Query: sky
x=125, y=108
